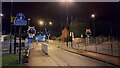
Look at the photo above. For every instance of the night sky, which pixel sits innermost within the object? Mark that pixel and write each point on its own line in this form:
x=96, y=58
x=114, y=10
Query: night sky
x=56, y=12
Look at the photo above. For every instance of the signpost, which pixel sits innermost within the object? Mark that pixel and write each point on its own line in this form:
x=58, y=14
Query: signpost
x=31, y=32
x=72, y=37
x=19, y=21
x=88, y=33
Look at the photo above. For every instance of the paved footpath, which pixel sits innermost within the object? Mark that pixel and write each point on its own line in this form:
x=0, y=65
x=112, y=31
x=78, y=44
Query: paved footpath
x=105, y=58
x=38, y=58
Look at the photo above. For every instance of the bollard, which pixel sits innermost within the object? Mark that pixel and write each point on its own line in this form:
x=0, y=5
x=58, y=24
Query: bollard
x=45, y=48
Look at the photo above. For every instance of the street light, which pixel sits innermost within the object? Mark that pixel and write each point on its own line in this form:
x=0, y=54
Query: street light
x=45, y=24
x=50, y=23
x=93, y=16
x=28, y=19
x=1, y=15
x=41, y=22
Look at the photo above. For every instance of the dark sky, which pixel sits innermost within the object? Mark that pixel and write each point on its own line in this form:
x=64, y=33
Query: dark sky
x=56, y=11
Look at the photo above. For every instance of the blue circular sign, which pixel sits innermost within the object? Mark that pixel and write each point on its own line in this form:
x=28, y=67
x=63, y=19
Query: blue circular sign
x=20, y=16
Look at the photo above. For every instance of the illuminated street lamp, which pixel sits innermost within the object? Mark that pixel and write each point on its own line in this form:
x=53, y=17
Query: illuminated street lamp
x=93, y=16
x=50, y=23
x=28, y=19
x=94, y=34
x=1, y=15
x=41, y=22
x=45, y=24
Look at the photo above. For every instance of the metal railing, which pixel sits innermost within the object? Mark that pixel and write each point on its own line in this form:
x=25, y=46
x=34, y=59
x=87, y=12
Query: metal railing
x=100, y=45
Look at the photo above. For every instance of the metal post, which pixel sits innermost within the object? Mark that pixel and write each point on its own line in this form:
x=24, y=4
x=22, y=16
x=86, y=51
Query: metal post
x=10, y=49
x=20, y=44
x=11, y=28
x=67, y=20
x=15, y=41
x=96, y=43
x=61, y=27
x=45, y=30
x=28, y=34
x=86, y=44
x=71, y=41
x=94, y=28
x=96, y=47
x=71, y=30
x=111, y=49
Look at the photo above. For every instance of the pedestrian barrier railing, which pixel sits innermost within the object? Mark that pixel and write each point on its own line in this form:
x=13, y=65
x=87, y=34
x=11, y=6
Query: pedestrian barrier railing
x=45, y=48
x=108, y=49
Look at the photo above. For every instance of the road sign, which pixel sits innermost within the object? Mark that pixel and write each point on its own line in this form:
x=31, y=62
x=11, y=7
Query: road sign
x=20, y=20
x=20, y=16
x=88, y=32
x=31, y=31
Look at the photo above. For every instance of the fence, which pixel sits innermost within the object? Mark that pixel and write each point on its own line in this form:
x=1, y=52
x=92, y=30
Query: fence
x=100, y=45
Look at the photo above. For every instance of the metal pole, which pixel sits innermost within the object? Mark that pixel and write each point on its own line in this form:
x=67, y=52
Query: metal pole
x=96, y=47
x=67, y=20
x=93, y=25
x=61, y=26
x=28, y=34
x=111, y=49
x=15, y=41
x=71, y=30
x=10, y=49
x=11, y=29
x=86, y=44
x=20, y=44
x=45, y=31
x=96, y=43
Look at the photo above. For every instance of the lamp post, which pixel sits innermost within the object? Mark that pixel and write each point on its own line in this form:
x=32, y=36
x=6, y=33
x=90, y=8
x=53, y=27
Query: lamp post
x=94, y=29
x=45, y=24
x=1, y=15
x=93, y=16
x=28, y=23
x=67, y=17
x=10, y=49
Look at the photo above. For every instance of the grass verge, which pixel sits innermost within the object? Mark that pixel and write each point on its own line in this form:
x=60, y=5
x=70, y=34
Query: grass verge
x=9, y=60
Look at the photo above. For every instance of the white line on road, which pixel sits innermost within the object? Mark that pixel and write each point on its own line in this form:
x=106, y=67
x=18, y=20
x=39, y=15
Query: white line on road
x=58, y=61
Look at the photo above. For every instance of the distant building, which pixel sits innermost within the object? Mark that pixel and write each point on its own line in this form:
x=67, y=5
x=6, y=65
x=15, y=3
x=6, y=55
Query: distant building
x=65, y=34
